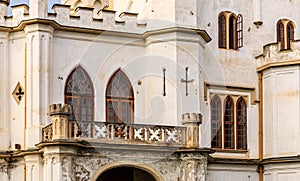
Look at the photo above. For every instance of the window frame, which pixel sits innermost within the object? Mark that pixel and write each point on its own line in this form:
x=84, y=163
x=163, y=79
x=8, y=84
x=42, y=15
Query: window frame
x=229, y=121
x=290, y=34
x=230, y=30
x=222, y=31
x=280, y=35
x=238, y=123
x=218, y=121
x=239, y=31
x=233, y=100
x=80, y=96
x=119, y=99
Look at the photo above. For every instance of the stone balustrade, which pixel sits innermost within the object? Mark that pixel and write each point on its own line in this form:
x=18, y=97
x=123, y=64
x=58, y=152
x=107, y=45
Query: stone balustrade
x=120, y=133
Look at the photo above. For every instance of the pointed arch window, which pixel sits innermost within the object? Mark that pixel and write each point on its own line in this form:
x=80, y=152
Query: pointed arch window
x=290, y=34
x=230, y=30
x=285, y=33
x=222, y=31
x=280, y=34
x=119, y=99
x=79, y=93
x=216, y=122
x=241, y=123
x=228, y=123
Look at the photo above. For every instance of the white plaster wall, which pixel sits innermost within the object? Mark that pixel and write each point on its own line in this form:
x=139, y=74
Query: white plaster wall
x=282, y=172
x=227, y=172
x=102, y=55
x=16, y=60
x=281, y=111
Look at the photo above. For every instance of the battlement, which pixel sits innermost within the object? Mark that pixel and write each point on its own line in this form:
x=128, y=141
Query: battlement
x=273, y=56
x=59, y=109
x=191, y=118
x=82, y=17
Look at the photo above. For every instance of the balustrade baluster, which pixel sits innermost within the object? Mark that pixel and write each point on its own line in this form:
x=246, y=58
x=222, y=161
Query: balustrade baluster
x=147, y=134
x=131, y=133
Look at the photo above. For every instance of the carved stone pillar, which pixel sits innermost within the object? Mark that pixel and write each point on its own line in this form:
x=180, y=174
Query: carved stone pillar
x=60, y=123
x=193, y=166
x=192, y=121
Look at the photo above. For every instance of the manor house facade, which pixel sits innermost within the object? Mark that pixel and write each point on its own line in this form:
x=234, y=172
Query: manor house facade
x=149, y=90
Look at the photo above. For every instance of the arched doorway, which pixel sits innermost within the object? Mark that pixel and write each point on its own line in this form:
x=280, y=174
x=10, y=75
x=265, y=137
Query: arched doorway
x=125, y=173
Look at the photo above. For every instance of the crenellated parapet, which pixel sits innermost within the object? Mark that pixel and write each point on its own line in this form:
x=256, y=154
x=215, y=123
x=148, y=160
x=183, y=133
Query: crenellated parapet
x=273, y=56
x=59, y=109
x=192, y=121
x=60, y=123
x=104, y=19
x=81, y=17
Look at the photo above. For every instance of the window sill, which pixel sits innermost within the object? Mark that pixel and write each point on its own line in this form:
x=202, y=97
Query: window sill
x=285, y=50
x=229, y=49
x=229, y=150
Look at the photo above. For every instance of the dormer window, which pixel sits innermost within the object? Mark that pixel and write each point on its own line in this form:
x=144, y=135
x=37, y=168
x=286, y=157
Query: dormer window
x=285, y=33
x=230, y=30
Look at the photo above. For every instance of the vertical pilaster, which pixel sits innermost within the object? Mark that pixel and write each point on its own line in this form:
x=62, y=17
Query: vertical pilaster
x=59, y=163
x=34, y=170
x=5, y=91
x=193, y=166
x=39, y=42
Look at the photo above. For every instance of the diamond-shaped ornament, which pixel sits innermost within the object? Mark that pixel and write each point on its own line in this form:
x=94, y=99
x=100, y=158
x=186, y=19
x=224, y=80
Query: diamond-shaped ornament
x=18, y=93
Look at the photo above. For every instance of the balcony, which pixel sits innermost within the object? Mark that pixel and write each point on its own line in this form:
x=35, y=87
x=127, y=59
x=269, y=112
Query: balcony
x=118, y=133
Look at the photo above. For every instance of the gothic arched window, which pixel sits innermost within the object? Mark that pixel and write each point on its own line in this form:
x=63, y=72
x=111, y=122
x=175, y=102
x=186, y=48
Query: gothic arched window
x=285, y=33
x=216, y=122
x=232, y=32
x=241, y=123
x=290, y=34
x=222, y=31
x=119, y=99
x=280, y=34
x=228, y=123
x=79, y=93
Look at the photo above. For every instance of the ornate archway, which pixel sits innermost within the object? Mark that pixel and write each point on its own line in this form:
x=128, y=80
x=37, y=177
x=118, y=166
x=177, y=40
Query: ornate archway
x=127, y=171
